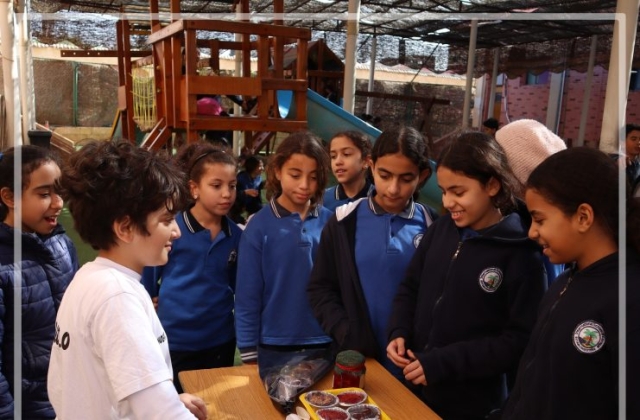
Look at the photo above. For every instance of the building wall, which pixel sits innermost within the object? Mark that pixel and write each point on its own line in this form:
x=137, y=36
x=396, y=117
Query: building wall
x=524, y=101
x=530, y=101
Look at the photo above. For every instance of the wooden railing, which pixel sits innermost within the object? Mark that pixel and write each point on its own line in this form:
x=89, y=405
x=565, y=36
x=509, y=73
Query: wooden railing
x=178, y=83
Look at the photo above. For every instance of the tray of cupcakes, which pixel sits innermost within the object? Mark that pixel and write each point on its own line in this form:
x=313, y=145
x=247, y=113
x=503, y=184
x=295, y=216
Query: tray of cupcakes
x=342, y=404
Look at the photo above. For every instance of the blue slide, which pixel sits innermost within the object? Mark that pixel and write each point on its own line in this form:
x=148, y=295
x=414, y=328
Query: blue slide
x=325, y=118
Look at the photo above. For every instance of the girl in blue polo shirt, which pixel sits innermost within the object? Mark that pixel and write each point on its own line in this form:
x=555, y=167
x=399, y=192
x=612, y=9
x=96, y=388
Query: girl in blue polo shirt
x=195, y=296
x=366, y=247
x=350, y=153
x=464, y=311
x=277, y=249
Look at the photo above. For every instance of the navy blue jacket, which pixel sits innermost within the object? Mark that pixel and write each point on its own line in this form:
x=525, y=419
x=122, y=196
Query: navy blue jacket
x=570, y=367
x=48, y=265
x=466, y=309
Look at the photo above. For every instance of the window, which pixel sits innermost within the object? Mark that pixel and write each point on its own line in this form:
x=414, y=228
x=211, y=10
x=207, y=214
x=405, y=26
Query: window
x=539, y=79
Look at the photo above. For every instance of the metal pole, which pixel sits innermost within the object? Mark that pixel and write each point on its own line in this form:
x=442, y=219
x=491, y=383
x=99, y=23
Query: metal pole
x=237, y=110
x=10, y=74
x=372, y=72
x=494, y=79
x=624, y=39
x=353, y=27
x=587, y=91
x=25, y=62
x=470, y=66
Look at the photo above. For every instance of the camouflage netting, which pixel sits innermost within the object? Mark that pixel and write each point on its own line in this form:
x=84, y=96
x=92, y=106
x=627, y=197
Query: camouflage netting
x=408, y=31
x=537, y=58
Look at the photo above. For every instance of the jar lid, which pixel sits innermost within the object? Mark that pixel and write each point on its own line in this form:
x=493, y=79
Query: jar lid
x=350, y=358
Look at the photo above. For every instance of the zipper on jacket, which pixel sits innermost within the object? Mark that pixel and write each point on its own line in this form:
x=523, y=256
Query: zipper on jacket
x=553, y=307
x=446, y=279
x=544, y=327
x=444, y=287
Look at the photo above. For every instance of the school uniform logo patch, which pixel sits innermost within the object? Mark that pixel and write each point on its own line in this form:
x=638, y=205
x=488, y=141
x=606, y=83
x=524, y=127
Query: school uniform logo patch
x=490, y=279
x=417, y=239
x=588, y=337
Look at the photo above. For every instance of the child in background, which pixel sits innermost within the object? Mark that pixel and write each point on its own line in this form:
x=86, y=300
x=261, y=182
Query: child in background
x=463, y=314
x=47, y=266
x=110, y=356
x=364, y=250
x=195, y=299
x=277, y=249
x=527, y=143
x=570, y=366
x=350, y=153
x=250, y=185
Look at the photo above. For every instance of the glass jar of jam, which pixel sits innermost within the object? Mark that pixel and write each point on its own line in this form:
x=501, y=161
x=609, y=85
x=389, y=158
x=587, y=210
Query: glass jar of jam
x=349, y=370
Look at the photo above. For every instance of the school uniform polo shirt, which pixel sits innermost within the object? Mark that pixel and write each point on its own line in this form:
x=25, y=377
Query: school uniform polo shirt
x=276, y=255
x=385, y=243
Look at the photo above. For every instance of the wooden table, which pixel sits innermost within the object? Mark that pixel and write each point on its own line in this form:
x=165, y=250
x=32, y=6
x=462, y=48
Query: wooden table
x=237, y=393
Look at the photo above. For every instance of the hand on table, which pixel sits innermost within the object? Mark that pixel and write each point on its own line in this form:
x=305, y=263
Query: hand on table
x=195, y=404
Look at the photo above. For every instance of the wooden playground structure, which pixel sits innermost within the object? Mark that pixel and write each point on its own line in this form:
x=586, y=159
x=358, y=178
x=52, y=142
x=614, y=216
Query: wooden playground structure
x=284, y=59
x=174, y=56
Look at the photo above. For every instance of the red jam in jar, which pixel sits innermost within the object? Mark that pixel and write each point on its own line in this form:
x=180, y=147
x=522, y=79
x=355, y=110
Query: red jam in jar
x=349, y=370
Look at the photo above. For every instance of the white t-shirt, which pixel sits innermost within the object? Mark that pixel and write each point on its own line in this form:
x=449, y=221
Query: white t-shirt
x=109, y=345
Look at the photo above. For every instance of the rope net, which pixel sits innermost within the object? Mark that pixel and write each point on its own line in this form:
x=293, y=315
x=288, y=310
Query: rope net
x=144, y=98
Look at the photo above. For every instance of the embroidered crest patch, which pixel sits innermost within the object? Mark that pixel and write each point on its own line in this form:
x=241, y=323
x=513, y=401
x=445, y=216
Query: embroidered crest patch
x=588, y=337
x=417, y=239
x=490, y=279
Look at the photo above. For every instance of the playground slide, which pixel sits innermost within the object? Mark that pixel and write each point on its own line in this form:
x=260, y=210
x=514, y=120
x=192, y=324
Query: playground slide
x=326, y=118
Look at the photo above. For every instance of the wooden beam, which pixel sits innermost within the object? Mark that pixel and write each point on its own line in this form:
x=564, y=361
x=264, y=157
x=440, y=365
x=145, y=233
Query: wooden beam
x=153, y=9
x=214, y=60
x=247, y=28
x=284, y=84
x=227, y=45
x=167, y=31
x=158, y=136
x=223, y=85
x=122, y=98
x=301, y=73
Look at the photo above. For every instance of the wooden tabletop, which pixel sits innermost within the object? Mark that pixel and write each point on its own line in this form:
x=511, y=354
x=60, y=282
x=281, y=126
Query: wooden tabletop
x=237, y=393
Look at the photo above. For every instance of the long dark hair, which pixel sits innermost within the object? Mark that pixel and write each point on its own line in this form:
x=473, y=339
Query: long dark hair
x=478, y=156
